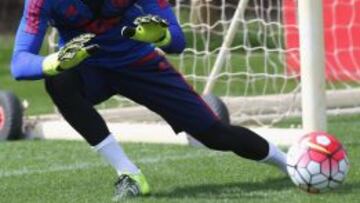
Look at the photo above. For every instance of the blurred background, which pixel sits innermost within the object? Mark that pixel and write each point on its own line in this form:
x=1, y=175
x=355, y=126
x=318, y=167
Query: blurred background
x=10, y=13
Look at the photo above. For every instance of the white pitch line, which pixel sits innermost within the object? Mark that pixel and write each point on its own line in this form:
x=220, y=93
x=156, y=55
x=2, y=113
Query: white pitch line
x=27, y=171
x=88, y=165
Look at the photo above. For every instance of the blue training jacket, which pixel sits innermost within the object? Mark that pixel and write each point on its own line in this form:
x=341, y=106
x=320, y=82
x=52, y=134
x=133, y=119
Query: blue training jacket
x=72, y=18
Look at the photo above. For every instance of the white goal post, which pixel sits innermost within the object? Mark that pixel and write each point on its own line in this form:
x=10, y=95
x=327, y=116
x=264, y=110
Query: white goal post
x=248, y=52
x=312, y=56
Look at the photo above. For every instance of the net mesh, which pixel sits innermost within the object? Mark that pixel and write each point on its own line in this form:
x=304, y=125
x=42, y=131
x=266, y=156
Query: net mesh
x=255, y=63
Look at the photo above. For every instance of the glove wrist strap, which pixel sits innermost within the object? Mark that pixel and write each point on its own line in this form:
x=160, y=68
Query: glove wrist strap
x=50, y=65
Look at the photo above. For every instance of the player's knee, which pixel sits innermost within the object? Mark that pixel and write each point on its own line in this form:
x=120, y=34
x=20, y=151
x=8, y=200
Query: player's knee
x=55, y=88
x=61, y=88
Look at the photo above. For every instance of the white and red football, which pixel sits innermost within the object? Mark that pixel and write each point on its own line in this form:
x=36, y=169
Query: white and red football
x=317, y=162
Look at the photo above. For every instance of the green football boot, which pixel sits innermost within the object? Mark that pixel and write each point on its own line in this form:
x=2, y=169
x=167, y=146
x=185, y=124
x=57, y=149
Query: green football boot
x=131, y=185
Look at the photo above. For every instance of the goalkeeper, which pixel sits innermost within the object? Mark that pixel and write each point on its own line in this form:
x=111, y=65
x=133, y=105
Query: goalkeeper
x=119, y=57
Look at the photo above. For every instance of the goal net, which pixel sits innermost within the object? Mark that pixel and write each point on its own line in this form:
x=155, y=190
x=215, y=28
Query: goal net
x=259, y=76
x=254, y=65
x=254, y=47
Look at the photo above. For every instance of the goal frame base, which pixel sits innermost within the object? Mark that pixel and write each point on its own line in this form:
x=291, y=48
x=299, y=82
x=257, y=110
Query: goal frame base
x=155, y=133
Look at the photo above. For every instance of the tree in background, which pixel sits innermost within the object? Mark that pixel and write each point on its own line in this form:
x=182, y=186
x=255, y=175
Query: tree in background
x=10, y=13
x=209, y=11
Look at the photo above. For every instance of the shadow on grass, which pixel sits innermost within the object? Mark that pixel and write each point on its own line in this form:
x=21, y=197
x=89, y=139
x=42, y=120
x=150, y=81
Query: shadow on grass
x=252, y=190
x=246, y=190
x=348, y=187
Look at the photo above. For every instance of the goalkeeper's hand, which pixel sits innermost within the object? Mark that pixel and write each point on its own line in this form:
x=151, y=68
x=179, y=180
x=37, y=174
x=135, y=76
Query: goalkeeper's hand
x=69, y=56
x=149, y=29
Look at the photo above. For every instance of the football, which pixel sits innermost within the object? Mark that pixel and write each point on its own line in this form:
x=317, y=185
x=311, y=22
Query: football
x=317, y=162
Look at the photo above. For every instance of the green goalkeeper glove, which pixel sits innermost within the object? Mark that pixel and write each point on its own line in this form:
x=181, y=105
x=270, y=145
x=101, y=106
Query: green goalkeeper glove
x=69, y=56
x=149, y=29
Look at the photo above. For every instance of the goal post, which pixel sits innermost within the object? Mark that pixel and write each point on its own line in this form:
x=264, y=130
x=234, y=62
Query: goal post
x=228, y=41
x=312, y=57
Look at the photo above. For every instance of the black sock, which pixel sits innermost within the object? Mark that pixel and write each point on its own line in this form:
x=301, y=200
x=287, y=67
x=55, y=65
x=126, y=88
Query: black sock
x=239, y=140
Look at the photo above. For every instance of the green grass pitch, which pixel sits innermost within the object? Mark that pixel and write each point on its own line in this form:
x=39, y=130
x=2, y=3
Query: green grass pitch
x=69, y=171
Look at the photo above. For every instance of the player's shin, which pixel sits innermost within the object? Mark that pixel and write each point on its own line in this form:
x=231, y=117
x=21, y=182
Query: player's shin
x=242, y=142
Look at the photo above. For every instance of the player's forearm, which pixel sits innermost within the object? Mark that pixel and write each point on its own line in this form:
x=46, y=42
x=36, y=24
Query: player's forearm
x=27, y=66
x=26, y=63
x=177, y=43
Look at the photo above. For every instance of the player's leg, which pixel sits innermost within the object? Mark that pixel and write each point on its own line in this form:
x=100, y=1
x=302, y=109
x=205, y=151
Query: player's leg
x=164, y=91
x=243, y=142
x=70, y=94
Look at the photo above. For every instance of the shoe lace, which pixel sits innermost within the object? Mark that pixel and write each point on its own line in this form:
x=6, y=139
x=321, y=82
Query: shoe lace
x=125, y=186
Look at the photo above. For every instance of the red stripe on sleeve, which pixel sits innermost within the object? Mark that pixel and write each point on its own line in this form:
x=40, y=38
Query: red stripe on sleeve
x=163, y=3
x=120, y=3
x=33, y=16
